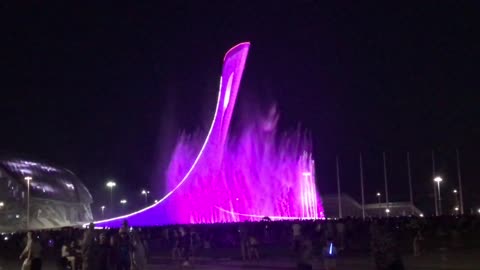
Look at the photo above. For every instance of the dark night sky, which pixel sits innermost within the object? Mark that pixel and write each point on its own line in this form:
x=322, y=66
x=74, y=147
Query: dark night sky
x=105, y=90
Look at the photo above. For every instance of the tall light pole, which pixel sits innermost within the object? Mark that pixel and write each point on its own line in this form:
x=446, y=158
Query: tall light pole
x=28, y=179
x=103, y=210
x=438, y=180
x=379, y=197
x=145, y=193
x=111, y=185
x=123, y=202
x=455, y=195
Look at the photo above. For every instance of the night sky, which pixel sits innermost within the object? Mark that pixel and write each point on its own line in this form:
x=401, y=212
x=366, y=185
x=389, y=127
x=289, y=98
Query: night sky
x=105, y=91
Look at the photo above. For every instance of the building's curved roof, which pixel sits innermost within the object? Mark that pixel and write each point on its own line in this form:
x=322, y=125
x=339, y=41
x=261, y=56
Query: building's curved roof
x=47, y=181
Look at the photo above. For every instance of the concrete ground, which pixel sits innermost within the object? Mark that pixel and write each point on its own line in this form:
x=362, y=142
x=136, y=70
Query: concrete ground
x=449, y=260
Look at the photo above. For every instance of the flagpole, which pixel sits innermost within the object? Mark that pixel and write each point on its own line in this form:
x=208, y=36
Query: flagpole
x=338, y=188
x=385, y=179
x=434, y=186
x=410, y=182
x=459, y=173
x=361, y=187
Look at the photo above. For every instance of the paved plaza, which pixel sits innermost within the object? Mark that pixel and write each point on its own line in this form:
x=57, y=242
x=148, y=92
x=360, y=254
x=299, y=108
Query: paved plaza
x=469, y=260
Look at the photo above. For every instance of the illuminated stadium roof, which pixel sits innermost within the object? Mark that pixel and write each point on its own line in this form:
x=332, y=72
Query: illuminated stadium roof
x=47, y=181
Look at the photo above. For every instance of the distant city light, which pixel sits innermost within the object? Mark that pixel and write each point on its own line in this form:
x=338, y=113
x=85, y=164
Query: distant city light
x=156, y=201
x=111, y=184
x=379, y=194
x=145, y=192
x=421, y=215
x=2, y=204
x=123, y=201
x=454, y=191
x=387, y=210
x=17, y=216
x=103, y=207
x=456, y=208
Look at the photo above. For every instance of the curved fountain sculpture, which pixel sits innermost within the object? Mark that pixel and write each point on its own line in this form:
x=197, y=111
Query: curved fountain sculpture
x=211, y=181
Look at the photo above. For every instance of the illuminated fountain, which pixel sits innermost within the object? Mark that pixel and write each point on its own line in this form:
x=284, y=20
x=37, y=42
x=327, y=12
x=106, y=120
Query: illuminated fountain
x=256, y=175
x=218, y=179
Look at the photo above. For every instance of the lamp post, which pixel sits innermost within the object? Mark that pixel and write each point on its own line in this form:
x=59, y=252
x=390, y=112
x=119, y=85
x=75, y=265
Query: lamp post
x=103, y=210
x=379, y=197
x=145, y=193
x=123, y=202
x=111, y=185
x=455, y=195
x=387, y=211
x=28, y=179
x=438, y=180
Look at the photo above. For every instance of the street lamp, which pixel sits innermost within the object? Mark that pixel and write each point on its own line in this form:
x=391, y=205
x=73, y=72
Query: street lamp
x=111, y=185
x=455, y=194
x=123, y=201
x=2, y=204
x=456, y=209
x=438, y=180
x=379, y=197
x=387, y=211
x=103, y=210
x=28, y=179
x=145, y=193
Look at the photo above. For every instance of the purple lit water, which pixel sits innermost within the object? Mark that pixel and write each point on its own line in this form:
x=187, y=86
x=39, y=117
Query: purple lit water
x=258, y=174
x=219, y=179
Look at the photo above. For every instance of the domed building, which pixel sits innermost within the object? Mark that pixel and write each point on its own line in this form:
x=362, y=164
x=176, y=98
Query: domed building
x=36, y=195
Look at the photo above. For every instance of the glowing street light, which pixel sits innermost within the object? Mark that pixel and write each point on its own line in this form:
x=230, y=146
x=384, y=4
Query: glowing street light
x=421, y=215
x=111, y=184
x=455, y=195
x=28, y=179
x=379, y=197
x=103, y=210
x=456, y=209
x=387, y=211
x=156, y=201
x=478, y=210
x=123, y=202
x=145, y=193
x=2, y=204
x=438, y=180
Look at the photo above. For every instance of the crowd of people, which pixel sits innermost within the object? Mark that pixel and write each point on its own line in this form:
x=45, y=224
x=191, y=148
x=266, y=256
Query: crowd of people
x=385, y=239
